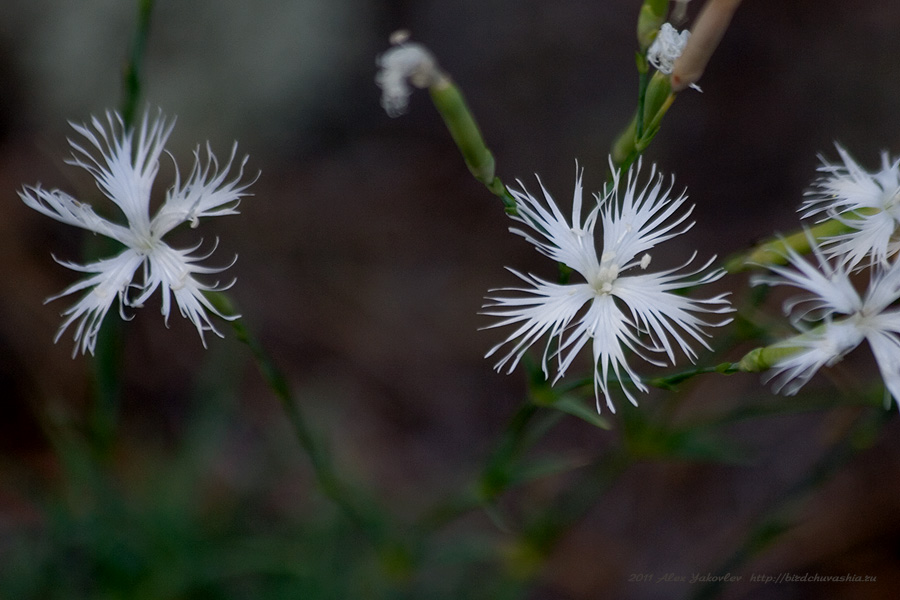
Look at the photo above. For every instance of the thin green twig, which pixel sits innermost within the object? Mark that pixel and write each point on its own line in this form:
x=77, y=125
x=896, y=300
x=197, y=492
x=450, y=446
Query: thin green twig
x=362, y=515
x=542, y=534
x=643, y=79
x=131, y=80
x=494, y=478
x=107, y=364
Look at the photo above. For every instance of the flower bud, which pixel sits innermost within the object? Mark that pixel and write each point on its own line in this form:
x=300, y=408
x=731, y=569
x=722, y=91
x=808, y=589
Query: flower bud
x=651, y=17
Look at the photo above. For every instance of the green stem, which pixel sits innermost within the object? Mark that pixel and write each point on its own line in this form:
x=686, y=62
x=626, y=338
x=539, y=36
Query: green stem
x=655, y=122
x=666, y=382
x=781, y=406
x=669, y=382
x=107, y=364
x=106, y=367
x=496, y=475
x=543, y=533
x=643, y=78
x=774, y=251
x=452, y=106
x=623, y=146
x=131, y=84
x=654, y=100
x=499, y=473
x=331, y=485
x=494, y=479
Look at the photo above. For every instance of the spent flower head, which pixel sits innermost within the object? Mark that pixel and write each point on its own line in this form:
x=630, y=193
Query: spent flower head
x=405, y=63
x=619, y=306
x=869, y=203
x=834, y=318
x=668, y=46
x=124, y=162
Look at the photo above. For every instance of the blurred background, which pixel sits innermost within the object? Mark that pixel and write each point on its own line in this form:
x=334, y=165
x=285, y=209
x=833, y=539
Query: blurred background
x=364, y=256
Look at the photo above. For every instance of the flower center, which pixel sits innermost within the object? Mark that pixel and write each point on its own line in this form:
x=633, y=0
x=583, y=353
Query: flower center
x=179, y=282
x=892, y=204
x=145, y=245
x=841, y=337
x=607, y=275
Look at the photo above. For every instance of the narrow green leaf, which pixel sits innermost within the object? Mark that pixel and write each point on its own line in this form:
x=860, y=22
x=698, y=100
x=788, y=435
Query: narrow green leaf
x=546, y=467
x=581, y=409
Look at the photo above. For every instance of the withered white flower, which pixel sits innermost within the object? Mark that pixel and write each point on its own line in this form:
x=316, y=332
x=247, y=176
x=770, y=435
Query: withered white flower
x=667, y=47
x=406, y=62
x=612, y=308
x=867, y=202
x=124, y=162
x=846, y=318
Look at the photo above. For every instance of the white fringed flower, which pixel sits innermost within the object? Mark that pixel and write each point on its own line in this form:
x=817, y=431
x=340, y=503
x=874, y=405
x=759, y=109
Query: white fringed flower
x=847, y=319
x=612, y=310
x=125, y=169
x=668, y=46
x=867, y=202
x=405, y=63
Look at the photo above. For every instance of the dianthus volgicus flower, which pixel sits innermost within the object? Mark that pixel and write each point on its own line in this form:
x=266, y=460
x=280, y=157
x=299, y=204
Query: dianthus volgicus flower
x=834, y=318
x=619, y=306
x=124, y=162
x=867, y=202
